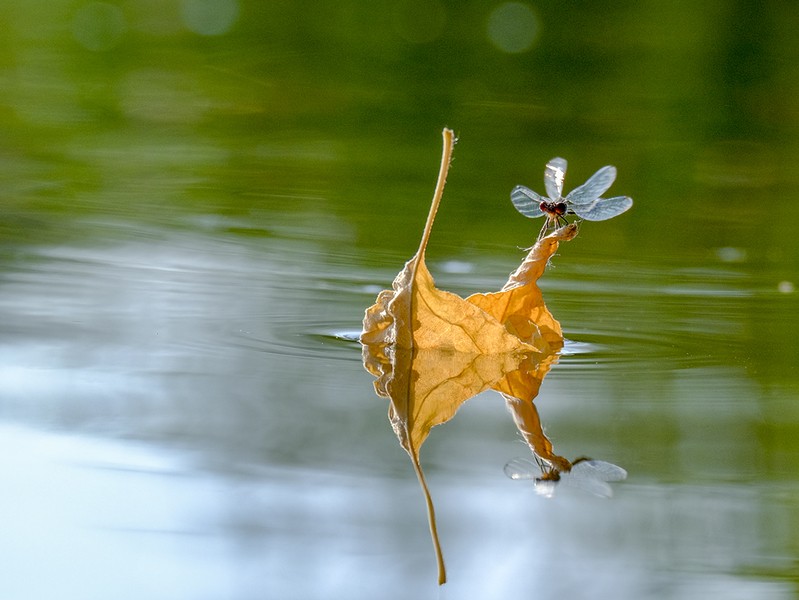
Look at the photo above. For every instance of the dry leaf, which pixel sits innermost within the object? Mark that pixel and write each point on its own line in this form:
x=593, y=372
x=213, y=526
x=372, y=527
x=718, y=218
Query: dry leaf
x=519, y=306
x=414, y=314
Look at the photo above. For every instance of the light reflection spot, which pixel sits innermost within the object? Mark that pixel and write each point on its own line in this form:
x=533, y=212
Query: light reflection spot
x=513, y=27
x=209, y=17
x=458, y=267
x=729, y=254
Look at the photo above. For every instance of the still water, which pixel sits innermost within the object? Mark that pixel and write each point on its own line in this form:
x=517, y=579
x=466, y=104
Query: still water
x=195, y=211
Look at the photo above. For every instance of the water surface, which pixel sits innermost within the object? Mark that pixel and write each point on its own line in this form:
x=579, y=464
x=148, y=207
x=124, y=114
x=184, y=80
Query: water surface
x=193, y=221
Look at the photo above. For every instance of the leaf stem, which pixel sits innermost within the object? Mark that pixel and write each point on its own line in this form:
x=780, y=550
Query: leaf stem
x=446, y=158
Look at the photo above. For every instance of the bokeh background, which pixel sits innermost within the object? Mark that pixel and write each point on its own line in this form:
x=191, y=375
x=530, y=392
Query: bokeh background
x=198, y=199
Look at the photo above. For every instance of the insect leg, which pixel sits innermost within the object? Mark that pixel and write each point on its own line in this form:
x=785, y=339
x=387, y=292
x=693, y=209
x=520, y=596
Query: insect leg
x=543, y=231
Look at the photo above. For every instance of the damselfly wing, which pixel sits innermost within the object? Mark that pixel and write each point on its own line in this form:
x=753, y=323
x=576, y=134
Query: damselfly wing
x=589, y=475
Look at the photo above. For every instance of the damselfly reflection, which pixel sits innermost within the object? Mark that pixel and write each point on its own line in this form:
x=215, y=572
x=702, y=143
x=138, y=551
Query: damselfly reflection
x=586, y=474
x=584, y=201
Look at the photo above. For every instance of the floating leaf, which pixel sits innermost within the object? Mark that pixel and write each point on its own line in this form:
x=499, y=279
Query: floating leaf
x=519, y=305
x=414, y=314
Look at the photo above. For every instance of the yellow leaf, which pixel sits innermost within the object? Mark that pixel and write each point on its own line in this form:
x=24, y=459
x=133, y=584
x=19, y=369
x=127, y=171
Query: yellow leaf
x=414, y=314
x=519, y=305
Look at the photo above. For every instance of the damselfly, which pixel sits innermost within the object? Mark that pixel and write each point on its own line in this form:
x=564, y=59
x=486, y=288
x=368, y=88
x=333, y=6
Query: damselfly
x=586, y=474
x=584, y=201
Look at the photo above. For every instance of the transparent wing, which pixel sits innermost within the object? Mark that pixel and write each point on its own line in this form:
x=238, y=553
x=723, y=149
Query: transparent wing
x=596, y=487
x=526, y=201
x=593, y=476
x=521, y=468
x=602, y=208
x=598, y=470
x=554, y=174
x=592, y=189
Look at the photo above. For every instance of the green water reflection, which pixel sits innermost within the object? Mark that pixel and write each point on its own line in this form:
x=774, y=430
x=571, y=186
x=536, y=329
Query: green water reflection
x=196, y=196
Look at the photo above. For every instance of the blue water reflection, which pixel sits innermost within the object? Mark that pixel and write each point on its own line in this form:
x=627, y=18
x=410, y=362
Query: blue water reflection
x=97, y=515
